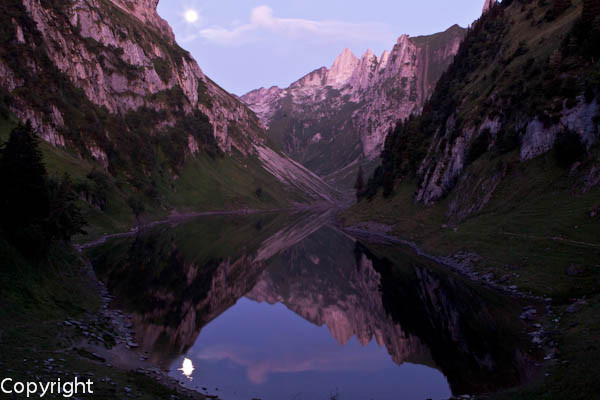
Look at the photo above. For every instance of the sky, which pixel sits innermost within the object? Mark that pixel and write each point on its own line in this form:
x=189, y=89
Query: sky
x=247, y=44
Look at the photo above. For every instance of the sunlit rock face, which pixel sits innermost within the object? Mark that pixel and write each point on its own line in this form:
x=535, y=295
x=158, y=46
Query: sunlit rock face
x=487, y=5
x=145, y=11
x=342, y=69
x=356, y=101
x=123, y=56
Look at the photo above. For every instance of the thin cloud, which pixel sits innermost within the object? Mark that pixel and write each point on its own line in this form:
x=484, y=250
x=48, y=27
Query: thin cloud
x=264, y=22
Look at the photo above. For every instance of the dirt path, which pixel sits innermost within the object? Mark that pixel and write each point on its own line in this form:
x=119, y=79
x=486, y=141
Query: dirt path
x=554, y=239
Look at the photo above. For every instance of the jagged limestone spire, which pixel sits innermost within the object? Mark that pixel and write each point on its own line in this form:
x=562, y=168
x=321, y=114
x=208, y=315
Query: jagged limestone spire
x=343, y=68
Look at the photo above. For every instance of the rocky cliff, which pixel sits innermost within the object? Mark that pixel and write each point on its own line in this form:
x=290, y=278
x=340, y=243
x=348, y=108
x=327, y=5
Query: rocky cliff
x=509, y=97
x=122, y=55
x=332, y=117
x=106, y=78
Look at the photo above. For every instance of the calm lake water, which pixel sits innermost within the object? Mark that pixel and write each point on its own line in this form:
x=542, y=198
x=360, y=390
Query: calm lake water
x=279, y=307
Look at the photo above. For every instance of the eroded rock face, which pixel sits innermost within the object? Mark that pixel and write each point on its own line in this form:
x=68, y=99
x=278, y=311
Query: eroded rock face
x=145, y=11
x=444, y=168
x=356, y=101
x=123, y=56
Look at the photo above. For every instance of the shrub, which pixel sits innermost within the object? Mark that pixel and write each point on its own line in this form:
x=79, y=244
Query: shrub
x=137, y=205
x=507, y=140
x=479, y=147
x=568, y=148
x=162, y=68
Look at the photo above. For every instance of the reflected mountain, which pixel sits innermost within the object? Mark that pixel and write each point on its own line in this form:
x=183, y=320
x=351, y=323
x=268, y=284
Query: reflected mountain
x=420, y=313
x=322, y=280
x=176, y=280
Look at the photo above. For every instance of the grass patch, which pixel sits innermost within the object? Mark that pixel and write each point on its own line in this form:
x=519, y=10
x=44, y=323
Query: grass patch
x=574, y=374
x=531, y=231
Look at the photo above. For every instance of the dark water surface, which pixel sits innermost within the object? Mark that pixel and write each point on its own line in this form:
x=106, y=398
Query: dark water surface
x=279, y=307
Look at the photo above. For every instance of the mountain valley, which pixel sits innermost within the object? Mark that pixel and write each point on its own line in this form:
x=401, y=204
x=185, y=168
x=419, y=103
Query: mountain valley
x=333, y=120
x=425, y=221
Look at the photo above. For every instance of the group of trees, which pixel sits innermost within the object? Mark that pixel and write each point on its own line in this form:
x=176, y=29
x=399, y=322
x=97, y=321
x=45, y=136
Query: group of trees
x=583, y=39
x=36, y=210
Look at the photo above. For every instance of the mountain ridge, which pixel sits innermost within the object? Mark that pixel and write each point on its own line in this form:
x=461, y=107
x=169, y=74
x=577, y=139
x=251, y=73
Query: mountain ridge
x=333, y=117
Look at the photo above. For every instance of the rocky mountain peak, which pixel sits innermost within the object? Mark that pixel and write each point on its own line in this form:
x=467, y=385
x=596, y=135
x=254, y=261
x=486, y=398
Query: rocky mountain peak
x=371, y=94
x=342, y=69
x=384, y=59
x=364, y=73
x=403, y=39
x=488, y=4
x=145, y=11
x=317, y=78
x=369, y=54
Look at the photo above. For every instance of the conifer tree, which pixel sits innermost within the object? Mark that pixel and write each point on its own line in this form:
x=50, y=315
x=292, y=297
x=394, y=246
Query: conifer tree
x=23, y=177
x=35, y=210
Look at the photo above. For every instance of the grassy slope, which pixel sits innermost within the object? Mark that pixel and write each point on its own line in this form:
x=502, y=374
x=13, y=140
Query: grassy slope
x=540, y=40
x=530, y=209
x=205, y=184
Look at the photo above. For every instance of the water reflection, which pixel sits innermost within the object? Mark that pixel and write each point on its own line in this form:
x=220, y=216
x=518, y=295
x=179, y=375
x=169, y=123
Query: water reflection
x=276, y=306
x=187, y=368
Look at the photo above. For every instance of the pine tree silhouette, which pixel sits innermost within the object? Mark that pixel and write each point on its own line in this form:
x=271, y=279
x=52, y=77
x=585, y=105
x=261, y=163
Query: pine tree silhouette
x=23, y=177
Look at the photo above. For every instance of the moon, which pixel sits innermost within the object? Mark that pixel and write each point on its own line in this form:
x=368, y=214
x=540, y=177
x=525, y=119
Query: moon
x=191, y=16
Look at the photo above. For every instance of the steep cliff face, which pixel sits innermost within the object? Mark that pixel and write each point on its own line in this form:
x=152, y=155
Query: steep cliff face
x=510, y=96
x=332, y=117
x=121, y=54
x=107, y=79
